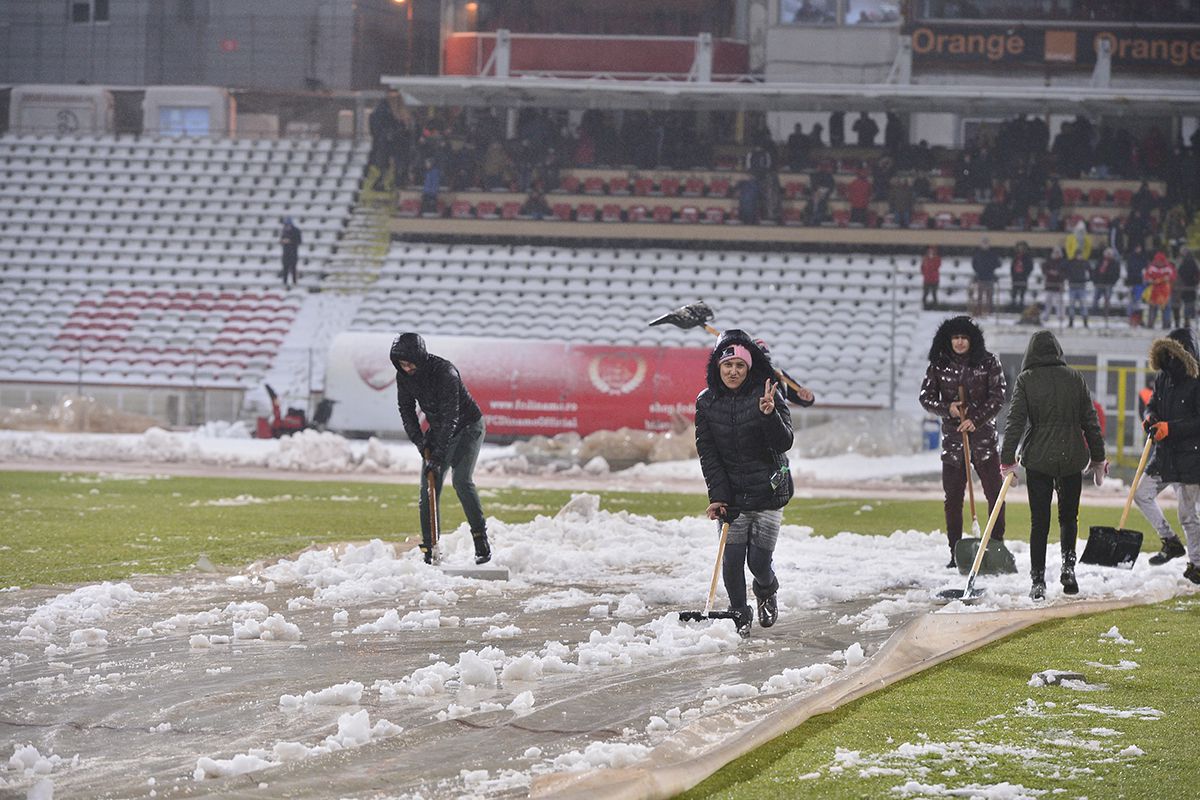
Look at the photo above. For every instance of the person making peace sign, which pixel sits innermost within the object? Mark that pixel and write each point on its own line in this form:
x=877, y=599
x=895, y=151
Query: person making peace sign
x=743, y=433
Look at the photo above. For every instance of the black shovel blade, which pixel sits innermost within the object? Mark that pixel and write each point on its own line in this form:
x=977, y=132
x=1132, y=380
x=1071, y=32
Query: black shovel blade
x=950, y=595
x=700, y=616
x=689, y=316
x=1112, y=547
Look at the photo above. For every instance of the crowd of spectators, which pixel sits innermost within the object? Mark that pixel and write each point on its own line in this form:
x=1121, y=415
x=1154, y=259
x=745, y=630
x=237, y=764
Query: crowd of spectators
x=1014, y=177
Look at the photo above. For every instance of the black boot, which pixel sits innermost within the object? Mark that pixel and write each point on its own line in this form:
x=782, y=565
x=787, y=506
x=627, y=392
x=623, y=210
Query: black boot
x=768, y=611
x=1192, y=573
x=483, y=549
x=1070, y=586
x=953, y=563
x=427, y=552
x=743, y=618
x=1038, y=589
x=1171, y=548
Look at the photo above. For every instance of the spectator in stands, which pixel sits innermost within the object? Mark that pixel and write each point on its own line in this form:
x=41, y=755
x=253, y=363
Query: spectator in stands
x=931, y=275
x=815, y=136
x=1054, y=275
x=901, y=201
x=1173, y=419
x=743, y=434
x=1077, y=243
x=1052, y=417
x=1104, y=278
x=1189, y=279
x=1020, y=270
x=535, y=205
x=1135, y=268
x=837, y=129
x=960, y=365
x=747, y=191
x=1143, y=202
x=389, y=139
x=798, y=146
x=866, y=129
x=1175, y=229
x=497, y=167
x=452, y=438
x=1116, y=237
x=1054, y=204
x=894, y=134
x=430, y=187
x=1159, y=278
x=1079, y=272
x=289, y=242
x=859, y=195
x=986, y=263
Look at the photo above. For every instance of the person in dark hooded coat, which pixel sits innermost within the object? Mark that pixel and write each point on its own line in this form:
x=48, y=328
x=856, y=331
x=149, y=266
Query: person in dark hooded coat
x=452, y=439
x=959, y=358
x=1173, y=419
x=743, y=433
x=1052, y=415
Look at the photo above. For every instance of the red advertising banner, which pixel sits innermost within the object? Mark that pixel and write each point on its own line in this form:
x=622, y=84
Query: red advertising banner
x=525, y=387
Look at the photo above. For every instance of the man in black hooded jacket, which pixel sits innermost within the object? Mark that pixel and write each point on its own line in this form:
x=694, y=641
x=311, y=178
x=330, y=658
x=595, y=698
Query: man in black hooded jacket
x=959, y=359
x=453, y=437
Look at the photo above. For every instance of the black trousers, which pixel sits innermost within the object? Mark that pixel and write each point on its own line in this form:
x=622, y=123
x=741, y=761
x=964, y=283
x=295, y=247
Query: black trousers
x=1041, y=489
x=954, y=483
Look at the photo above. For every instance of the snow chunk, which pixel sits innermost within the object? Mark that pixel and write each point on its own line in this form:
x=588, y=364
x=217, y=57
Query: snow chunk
x=1115, y=636
x=342, y=694
x=599, y=755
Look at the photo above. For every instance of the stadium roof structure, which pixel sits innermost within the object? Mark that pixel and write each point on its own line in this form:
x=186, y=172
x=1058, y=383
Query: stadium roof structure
x=674, y=95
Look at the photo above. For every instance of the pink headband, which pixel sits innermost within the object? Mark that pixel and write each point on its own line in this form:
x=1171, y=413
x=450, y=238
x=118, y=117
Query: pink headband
x=736, y=351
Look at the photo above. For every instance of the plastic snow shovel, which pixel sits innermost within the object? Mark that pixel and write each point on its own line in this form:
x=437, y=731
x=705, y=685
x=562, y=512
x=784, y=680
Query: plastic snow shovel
x=708, y=613
x=962, y=404
x=970, y=594
x=1119, y=546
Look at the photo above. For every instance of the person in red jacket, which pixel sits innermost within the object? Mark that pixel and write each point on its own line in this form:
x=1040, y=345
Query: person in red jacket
x=859, y=195
x=931, y=275
x=1160, y=278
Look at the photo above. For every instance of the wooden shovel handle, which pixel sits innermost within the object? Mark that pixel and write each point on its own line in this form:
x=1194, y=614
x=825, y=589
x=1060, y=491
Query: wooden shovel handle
x=1137, y=477
x=431, y=482
x=712, y=589
x=987, y=532
x=962, y=404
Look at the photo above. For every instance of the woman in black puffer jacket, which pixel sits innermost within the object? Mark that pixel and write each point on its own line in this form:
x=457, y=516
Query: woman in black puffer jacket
x=743, y=433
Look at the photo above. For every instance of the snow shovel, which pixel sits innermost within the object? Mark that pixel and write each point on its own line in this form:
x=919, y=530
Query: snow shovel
x=970, y=594
x=708, y=613
x=1119, y=546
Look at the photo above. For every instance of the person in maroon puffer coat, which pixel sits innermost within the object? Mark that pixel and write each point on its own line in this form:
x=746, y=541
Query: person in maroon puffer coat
x=959, y=358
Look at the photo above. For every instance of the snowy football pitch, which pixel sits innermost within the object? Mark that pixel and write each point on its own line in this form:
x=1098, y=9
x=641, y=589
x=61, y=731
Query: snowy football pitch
x=292, y=667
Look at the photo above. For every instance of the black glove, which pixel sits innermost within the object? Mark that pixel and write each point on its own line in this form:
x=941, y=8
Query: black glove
x=730, y=513
x=433, y=468
x=1149, y=422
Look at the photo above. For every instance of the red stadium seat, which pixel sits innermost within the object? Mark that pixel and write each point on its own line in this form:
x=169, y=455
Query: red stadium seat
x=662, y=213
x=793, y=215
x=561, y=211
x=586, y=212
x=719, y=187
x=669, y=186
x=461, y=209
x=714, y=215
x=610, y=213
x=1072, y=195
x=637, y=213
x=486, y=209
x=1098, y=196
x=409, y=207
x=569, y=184
x=689, y=214
x=510, y=210
x=1123, y=197
x=593, y=185
x=618, y=185
x=693, y=186
x=793, y=190
x=643, y=186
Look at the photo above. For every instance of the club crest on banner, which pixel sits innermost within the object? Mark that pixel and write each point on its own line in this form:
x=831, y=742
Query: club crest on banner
x=617, y=374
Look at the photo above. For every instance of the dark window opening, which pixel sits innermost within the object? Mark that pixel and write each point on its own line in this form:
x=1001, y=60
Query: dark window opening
x=81, y=12
x=99, y=10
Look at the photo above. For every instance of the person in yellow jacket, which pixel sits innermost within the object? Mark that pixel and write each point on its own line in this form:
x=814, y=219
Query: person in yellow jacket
x=1078, y=244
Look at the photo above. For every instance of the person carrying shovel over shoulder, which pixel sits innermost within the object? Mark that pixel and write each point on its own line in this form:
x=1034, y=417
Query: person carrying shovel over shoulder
x=453, y=439
x=960, y=366
x=1052, y=415
x=743, y=434
x=1173, y=419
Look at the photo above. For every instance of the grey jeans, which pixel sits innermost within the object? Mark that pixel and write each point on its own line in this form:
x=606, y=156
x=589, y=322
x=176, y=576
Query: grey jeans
x=1145, y=497
x=460, y=460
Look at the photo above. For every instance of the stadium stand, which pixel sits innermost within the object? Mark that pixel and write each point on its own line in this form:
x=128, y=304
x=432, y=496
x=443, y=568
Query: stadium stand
x=154, y=261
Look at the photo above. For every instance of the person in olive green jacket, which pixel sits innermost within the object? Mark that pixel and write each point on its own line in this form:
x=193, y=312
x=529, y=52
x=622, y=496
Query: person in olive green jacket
x=1053, y=416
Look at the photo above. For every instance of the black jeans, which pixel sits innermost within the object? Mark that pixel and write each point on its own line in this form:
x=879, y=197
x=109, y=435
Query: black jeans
x=1041, y=489
x=461, y=457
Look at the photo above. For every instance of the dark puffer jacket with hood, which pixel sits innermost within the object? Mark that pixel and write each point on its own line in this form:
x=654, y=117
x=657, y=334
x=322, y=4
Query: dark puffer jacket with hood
x=740, y=447
x=437, y=387
x=980, y=373
x=1052, y=413
x=1176, y=401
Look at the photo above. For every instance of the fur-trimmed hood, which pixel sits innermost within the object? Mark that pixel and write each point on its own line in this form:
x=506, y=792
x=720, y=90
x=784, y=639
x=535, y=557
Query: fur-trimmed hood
x=760, y=370
x=1176, y=352
x=958, y=326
